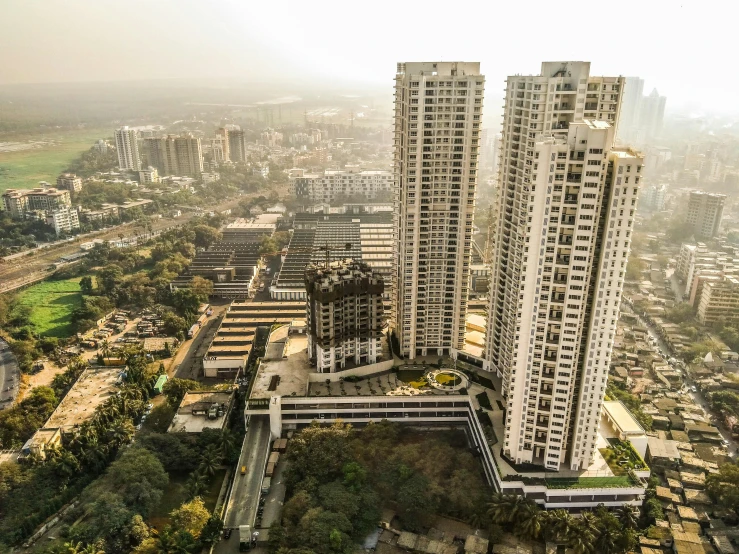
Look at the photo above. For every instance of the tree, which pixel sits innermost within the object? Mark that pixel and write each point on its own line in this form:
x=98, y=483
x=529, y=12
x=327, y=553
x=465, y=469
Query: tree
x=187, y=301
x=86, y=285
x=627, y=516
x=174, y=389
x=191, y=517
x=206, y=235
x=202, y=287
x=634, y=269
x=109, y=277
x=724, y=486
x=211, y=533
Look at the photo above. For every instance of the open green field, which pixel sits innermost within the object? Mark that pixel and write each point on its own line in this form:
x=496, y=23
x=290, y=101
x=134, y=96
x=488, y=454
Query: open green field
x=51, y=304
x=25, y=168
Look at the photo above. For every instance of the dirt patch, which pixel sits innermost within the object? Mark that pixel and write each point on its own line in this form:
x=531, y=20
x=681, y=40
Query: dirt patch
x=42, y=378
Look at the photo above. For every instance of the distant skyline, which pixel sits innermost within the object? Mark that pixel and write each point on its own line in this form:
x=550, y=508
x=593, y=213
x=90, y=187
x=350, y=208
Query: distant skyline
x=680, y=48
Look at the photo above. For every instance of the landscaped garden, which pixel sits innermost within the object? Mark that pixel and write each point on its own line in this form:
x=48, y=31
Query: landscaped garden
x=621, y=457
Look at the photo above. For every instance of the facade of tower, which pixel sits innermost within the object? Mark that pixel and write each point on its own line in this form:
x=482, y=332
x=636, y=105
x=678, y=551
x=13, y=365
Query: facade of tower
x=438, y=110
x=175, y=155
x=344, y=314
x=564, y=224
x=236, y=145
x=128, y=149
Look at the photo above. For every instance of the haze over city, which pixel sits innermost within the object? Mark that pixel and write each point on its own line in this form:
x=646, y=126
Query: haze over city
x=669, y=44
x=384, y=277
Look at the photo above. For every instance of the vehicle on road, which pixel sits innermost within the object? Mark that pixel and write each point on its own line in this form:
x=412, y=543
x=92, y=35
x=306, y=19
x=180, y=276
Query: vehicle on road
x=694, y=388
x=243, y=470
x=227, y=533
x=244, y=538
x=724, y=442
x=266, y=483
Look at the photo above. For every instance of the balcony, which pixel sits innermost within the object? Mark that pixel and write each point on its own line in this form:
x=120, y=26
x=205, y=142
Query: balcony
x=568, y=220
x=560, y=125
x=562, y=260
x=574, y=177
x=565, y=240
x=570, y=198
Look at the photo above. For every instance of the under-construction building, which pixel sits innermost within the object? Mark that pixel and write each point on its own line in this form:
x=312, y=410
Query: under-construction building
x=344, y=315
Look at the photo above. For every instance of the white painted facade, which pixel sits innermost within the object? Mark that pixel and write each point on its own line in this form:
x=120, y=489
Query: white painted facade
x=127, y=145
x=559, y=259
x=438, y=109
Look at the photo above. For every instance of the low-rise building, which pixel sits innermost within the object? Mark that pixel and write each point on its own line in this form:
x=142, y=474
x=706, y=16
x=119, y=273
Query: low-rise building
x=69, y=181
x=64, y=219
x=719, y=301
x=200, y=410
x=327, y=186
x=149, y=175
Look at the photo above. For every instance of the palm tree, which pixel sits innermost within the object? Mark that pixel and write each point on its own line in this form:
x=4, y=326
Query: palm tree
x=583, y=534
x=105, y=348
x=607, y=540
x=196, y=484
x=559, y=525
x=589, y=523
x=208, y=464
x=627, y=515
x=121, y=432
x=497, y=508
x=227, y=443
x=529, y=521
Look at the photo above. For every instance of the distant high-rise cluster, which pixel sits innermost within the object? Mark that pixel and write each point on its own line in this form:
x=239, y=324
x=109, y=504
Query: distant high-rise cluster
x=642, y=117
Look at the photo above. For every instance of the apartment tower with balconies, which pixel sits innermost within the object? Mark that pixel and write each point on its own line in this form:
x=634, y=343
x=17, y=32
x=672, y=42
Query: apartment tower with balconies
x=438, y=110
x=564, y=227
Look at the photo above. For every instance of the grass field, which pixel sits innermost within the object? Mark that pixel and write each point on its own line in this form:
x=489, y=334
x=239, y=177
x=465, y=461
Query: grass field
x=51, y=304
x=25, y=168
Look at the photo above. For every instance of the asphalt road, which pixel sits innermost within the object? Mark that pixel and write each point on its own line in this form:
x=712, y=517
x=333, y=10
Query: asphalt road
x=9, y=376
x=244, y=499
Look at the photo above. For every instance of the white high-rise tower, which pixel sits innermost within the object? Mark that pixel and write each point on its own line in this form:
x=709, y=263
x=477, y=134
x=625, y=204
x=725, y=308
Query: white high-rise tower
x=128, y=149
x=438, y=109
x=564, y=226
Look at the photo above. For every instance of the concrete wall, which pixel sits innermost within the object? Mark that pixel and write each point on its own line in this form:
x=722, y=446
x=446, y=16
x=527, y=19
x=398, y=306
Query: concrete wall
x=362, y=371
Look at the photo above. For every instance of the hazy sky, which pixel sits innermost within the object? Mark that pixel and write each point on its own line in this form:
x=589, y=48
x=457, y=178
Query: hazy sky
x=683, y=47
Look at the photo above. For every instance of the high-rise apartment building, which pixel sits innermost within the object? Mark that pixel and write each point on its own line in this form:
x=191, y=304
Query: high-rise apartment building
x=438, y=109
x=127, y=145
x=220, y=146
x=236, y=145
x=705, y=211
x=175, y=155
x=344, y=315
x=565, y=218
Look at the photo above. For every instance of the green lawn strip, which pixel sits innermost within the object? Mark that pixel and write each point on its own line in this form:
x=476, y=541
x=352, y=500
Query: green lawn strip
x=589, y=482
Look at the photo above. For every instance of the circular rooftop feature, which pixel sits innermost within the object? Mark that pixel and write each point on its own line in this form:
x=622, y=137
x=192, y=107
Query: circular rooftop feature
x=447, y=379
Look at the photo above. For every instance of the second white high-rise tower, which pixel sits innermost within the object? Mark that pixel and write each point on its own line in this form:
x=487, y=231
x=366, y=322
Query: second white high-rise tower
x=564, y=226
